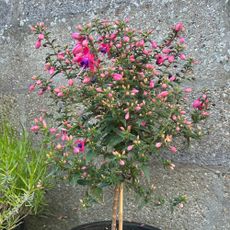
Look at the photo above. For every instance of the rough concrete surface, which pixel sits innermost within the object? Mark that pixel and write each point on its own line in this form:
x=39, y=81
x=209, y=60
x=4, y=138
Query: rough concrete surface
x=206, y=180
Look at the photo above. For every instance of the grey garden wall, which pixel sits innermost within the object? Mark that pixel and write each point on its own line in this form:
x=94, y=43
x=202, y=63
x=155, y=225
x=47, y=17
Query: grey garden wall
x=202, y=172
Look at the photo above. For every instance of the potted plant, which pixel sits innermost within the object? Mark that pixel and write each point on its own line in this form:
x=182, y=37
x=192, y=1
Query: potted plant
x=118, y=102
x=23, y=177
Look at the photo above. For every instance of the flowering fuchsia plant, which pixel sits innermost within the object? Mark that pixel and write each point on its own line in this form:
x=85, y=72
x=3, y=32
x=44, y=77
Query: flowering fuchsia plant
x=119, y=101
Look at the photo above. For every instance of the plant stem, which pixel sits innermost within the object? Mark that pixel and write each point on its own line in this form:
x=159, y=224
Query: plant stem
x=121, y=206
x=115, y=205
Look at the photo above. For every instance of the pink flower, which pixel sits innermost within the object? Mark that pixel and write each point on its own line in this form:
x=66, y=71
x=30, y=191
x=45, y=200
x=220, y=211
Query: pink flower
x=204, y=113
x=171, y=58
x=173, y=149
x=179, y=27
x=197, y=104
x=132, y=58
x=151, y=84
x=80, y=146
x=104, y=48
x=117, y=76
x=34, y=128
x=85, y=43
x=182, y=40
x=182, y=56
x=61, y=56
x=52, y=130
x=188, y=90
x=143, y=123
x=163, y=94
x=130, y=147
x=160, y=59
x=121, y=162
x=31, y=88
x=137, y=108
x=172, y=78
x=99, y=90
x=154, y=44
x=126, y=39
x=51, y=70
x=38, y=44
x=149, y=66
x=41, y=36
x=166, y=51
x=158, y=145
x=134, y=91
x=70, y=82
x=164, y=86
x=78, y=48
x=60, y=94
x=76, y=36
x=86, y=80
x=127, y=116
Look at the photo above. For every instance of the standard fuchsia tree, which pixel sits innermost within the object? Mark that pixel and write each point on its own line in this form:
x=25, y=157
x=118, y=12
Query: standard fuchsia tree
x=119, y=102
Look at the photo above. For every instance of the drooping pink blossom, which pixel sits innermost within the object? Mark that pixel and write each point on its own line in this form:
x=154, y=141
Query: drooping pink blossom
x=31, y=88
x=182, y=56
x=70, y=82
x=121, y=162
x=104, y=48
x=60, y=94
x=164, y=86
x=172, y=78
x=154, y=44
x=41, y=36
x=34, y=128
x=179, y=27
x=166, y=51
x=86, y=80
x=173, y=149
x=132, y=58
x=163, y=94
x=80, y=146
x=134, y=91
x=117, y=76
x=182, y=40
x=53, y=130
x=126, y=39
x=160, y=59
x=151, y=84
x=99, y=90
x=61, y=56
x=76, y=36
x=171, y=58
x=130, y=147
x=158, y=145
x=188, y=90
x=197, y=104
x=51, y=70
x=38, y=44
x=127, y=116
x=138, y=108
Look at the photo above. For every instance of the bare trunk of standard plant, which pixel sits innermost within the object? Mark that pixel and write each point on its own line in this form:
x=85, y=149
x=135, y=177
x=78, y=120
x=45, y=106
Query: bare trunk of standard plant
x=121, y=206
x=115, y=205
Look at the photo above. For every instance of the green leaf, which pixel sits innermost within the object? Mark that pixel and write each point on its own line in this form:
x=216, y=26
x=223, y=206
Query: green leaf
x=146, y=170
x=89, y=156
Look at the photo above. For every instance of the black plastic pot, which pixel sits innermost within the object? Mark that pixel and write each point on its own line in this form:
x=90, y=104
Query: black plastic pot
x=21, y=226
x=106, y=225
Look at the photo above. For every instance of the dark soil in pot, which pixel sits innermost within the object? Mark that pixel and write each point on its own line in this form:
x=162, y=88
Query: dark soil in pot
x=106, y=225
x=21, y=226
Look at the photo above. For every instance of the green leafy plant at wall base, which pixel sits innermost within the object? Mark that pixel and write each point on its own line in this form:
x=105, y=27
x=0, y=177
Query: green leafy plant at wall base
x=23, y=177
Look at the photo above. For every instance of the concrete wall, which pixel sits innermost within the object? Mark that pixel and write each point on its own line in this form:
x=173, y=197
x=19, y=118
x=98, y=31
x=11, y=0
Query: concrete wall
x=203, y=170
